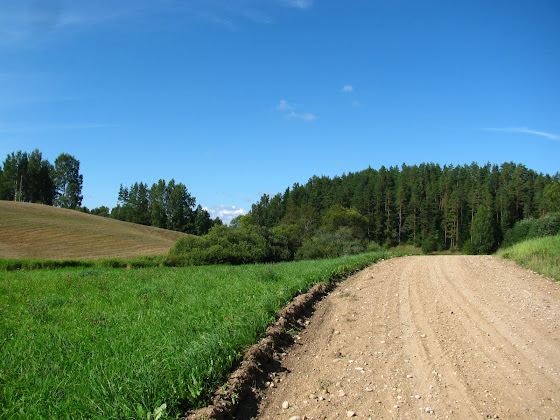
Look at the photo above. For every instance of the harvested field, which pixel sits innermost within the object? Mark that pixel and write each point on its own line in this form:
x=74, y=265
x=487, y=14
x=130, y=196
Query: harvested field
x=36, y=231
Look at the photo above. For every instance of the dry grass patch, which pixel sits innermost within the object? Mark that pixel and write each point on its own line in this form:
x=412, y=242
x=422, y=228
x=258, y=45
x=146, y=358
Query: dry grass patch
x=36, y=231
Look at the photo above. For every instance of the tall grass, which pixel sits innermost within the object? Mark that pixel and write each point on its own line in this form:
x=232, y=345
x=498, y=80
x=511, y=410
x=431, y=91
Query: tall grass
x=541, y=255
x=110, y=343
x=137, y=262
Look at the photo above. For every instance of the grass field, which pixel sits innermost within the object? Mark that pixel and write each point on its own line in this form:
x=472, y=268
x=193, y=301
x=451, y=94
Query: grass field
x=115, y=343
x=541, y=255
x=36, y=231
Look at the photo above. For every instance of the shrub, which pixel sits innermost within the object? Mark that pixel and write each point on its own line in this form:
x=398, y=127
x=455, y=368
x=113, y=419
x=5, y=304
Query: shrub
x=329, y=245
x=232, y=245
x=429, y=244
x=547, y=225
x=373, y=246
x=468, y=248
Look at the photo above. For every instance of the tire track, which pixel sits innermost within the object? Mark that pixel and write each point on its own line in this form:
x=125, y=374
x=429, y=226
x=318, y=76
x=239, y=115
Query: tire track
x=427, y=337
x=433, y=366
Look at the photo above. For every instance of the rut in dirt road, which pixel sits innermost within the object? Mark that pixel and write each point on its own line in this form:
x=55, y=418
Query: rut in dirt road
x=427, y=337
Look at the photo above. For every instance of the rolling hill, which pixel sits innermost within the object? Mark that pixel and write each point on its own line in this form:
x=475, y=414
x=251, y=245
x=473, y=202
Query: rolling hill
x=43, y=232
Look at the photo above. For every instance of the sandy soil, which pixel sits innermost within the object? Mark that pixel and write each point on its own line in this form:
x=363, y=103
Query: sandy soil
x=426, y=337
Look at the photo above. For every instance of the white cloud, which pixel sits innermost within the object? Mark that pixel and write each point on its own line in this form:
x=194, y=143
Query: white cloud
x=225, y=213
x=305, y=116
x=284, y=106
x=526, y=130
x=348, y=88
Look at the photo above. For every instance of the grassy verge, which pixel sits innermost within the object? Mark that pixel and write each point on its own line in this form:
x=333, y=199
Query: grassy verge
x=138, y=262
x=111, y=343
x=541, y=255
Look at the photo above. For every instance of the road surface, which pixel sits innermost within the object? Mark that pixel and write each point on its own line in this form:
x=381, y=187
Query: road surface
x=426, y=337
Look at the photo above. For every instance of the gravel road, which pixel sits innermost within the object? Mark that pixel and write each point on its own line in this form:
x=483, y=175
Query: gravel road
x=426, y=337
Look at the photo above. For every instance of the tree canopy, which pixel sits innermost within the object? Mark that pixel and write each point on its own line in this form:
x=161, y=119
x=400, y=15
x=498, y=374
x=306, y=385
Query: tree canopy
x=30, y=178
x=167, y=205
x=426, y=205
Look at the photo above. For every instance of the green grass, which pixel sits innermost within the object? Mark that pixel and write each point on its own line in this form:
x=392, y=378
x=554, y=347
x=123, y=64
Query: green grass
x=115, y=343
x=138, y=262
x=541, y=255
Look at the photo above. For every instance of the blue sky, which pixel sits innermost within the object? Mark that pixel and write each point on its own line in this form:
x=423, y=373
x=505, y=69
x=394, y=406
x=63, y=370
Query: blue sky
x=243, y=97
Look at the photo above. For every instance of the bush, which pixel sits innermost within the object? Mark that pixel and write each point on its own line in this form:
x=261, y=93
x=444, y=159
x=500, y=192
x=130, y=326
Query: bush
x=330, y=245
x=429, y=244
x=547, y=225
x=468, y=248
x=373, y=246
x=232, y=245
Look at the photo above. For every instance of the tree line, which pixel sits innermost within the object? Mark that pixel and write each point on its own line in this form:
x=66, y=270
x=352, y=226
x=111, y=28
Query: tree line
x=27, y=177
x=164, y=205
x=30, y=178
x=468, y=207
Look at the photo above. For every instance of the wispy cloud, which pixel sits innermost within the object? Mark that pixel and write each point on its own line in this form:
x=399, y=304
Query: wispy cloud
x=218, y=20
x=284, y=106
x=29, y=22
x=225, y=213
x=299, y=4
x=26, y=22
x=347, y=88
x=305, y=116
x=525, y=130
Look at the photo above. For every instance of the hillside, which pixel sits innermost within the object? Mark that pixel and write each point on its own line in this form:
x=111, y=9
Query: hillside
x=44, y=232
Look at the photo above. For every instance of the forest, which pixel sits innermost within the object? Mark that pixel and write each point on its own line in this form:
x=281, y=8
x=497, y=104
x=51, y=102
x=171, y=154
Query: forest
x=467, y=208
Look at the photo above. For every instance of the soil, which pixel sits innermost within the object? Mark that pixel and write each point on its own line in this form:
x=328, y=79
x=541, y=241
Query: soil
x=414, y=337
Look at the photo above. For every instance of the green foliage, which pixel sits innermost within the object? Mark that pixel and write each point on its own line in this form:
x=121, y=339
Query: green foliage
x=326, y=244
x=100, y=211
x=68, y=181
x=540, y=254
x=337, y=217
x=164, y=205
x=141, y=343
x=547, y=225
x=468, y=248
x=423, y=204
x=27, y=177
x=429, y=244
x=26, y=264
x=484, y=238
x=551, y=197
x=373, y=246
x=232, y=245
x=202, y=221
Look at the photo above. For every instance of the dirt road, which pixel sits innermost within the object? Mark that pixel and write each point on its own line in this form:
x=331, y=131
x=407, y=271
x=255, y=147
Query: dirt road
x=427, y=337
